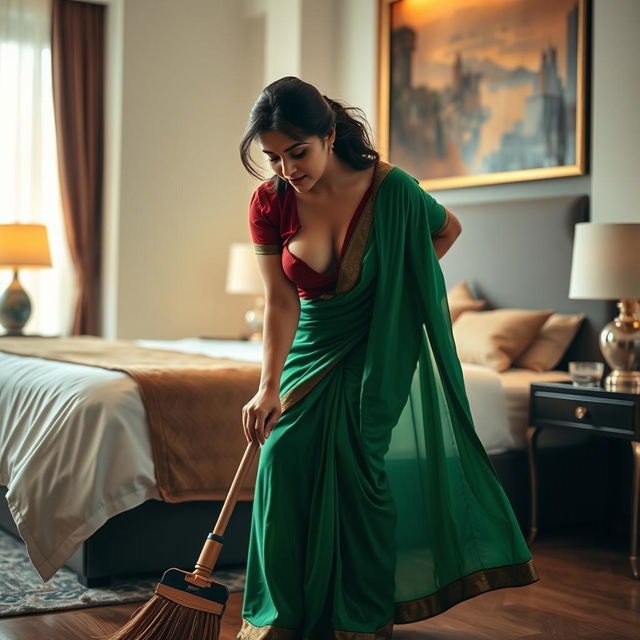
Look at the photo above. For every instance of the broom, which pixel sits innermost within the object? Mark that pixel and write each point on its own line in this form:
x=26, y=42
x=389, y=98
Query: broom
x=189, y=605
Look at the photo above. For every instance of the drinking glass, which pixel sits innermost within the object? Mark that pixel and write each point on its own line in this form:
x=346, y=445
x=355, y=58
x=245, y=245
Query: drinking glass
x=586, y=374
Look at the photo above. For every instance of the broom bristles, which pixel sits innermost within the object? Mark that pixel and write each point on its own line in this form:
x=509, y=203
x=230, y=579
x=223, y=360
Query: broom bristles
x=164, y=619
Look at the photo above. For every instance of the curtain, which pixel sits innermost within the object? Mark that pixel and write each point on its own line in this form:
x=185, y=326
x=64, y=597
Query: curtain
x=29, y=185
x=78, y=86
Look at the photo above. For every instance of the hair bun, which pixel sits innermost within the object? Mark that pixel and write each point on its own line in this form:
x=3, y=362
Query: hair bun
x=334, y=104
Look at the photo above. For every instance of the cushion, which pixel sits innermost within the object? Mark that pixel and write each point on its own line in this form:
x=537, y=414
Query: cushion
x=457, y=307
x=496, y=338
x=460, y=299
x=460, y=291
x=547, y=349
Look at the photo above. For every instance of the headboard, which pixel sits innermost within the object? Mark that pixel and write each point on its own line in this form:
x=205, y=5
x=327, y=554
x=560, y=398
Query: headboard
x=518, y=254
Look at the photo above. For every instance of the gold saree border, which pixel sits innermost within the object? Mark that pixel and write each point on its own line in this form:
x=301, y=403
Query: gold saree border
x=295, y=394
x=469, y=586
x=267, y=249
x=348, y=274
x=354, y=252
x=272, y=632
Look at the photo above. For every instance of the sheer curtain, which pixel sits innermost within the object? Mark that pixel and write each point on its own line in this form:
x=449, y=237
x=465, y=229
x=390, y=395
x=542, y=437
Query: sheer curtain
x=29, y=185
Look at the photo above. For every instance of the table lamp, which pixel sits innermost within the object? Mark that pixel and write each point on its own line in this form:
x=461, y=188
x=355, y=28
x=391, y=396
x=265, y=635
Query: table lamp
x=606, y=266
x=22, y=246
x=243, y=276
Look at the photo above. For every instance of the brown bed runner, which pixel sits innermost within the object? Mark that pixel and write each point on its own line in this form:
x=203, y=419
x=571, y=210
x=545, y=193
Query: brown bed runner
x=193, y=404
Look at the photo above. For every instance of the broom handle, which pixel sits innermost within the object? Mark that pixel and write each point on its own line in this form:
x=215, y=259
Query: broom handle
x=211, y=550
x=232, y=497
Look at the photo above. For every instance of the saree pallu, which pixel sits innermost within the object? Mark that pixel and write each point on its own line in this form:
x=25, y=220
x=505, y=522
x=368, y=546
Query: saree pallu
x=375, y=502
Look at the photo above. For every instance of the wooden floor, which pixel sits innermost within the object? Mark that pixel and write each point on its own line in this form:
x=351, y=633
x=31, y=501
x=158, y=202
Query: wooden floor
x=585, y=592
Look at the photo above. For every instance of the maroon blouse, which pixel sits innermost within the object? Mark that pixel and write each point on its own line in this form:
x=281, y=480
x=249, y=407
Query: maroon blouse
x=273, y=221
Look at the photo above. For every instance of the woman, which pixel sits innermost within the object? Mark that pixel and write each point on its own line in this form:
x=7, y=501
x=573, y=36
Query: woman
x=375, y=502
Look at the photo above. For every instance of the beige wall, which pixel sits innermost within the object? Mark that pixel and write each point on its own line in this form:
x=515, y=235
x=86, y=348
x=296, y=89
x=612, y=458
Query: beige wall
x=176, y=193
x=182, y=79
x=615, y=186
x=356, y=44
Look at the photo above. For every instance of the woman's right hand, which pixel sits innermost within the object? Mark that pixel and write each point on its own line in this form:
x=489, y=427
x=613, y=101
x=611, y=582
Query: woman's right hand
x=260, y=415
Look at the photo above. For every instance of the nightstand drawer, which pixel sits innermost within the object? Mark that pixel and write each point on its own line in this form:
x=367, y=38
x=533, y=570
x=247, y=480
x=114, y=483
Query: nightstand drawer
x=596, y=414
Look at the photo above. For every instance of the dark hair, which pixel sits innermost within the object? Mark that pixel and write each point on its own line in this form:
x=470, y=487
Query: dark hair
x=297, y=109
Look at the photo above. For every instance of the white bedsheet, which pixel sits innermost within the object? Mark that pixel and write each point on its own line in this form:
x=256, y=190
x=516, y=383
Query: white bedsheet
x=74, y=451
x=74, y=448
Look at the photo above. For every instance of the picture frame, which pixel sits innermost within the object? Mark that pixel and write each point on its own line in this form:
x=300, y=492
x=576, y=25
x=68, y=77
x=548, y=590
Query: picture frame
x=479, y=92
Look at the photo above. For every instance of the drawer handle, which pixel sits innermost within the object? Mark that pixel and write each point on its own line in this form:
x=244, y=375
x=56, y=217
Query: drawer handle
x=581, y=412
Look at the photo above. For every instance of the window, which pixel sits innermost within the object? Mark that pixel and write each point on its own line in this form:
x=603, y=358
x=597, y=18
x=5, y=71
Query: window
x=29, y=185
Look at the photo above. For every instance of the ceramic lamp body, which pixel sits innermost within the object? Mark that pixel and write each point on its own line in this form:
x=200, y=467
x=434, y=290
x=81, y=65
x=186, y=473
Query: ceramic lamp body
x=620, y=346
x=15, y=307
x=255, y=320
x=21, y=246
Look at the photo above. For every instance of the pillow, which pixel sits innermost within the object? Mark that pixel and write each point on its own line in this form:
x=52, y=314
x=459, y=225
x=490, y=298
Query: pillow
x=460, y=291
x=547, y=349
x=456, y=308
x=496, y=338
x=460, y=298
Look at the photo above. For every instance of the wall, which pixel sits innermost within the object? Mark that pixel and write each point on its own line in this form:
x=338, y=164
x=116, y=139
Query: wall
x=615, y=188
x=182, y=79
x=356, y=44
x=300, y=40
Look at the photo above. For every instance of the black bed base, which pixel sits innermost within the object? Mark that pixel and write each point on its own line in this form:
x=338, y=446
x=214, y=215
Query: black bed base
x=150, y=538
x=574, y=482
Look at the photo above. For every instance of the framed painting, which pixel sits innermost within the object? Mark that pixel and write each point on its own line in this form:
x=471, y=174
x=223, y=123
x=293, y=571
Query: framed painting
x=475, y=92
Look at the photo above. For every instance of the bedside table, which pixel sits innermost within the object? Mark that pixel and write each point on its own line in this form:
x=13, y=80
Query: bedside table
x=610, y=414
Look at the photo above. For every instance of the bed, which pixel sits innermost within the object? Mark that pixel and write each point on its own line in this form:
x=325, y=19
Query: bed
x=115, y=537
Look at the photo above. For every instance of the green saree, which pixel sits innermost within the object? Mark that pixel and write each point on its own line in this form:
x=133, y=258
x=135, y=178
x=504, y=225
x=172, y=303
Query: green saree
x=375, y=502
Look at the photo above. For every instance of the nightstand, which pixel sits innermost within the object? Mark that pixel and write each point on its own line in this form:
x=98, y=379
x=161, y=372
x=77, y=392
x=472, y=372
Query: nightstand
x=608, y=414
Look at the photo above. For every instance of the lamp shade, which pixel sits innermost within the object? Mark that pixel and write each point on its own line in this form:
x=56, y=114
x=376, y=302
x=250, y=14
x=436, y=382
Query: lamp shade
x=606, y=261
x=24, y=246
x=243, y=275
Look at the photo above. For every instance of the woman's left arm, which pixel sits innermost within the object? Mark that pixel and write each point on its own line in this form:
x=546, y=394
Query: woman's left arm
x=443, y=239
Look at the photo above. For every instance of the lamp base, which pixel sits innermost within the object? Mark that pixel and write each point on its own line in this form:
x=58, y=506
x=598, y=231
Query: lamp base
x=623, y=381
x=620, y=346
x=255, y=320
x=15, y=307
